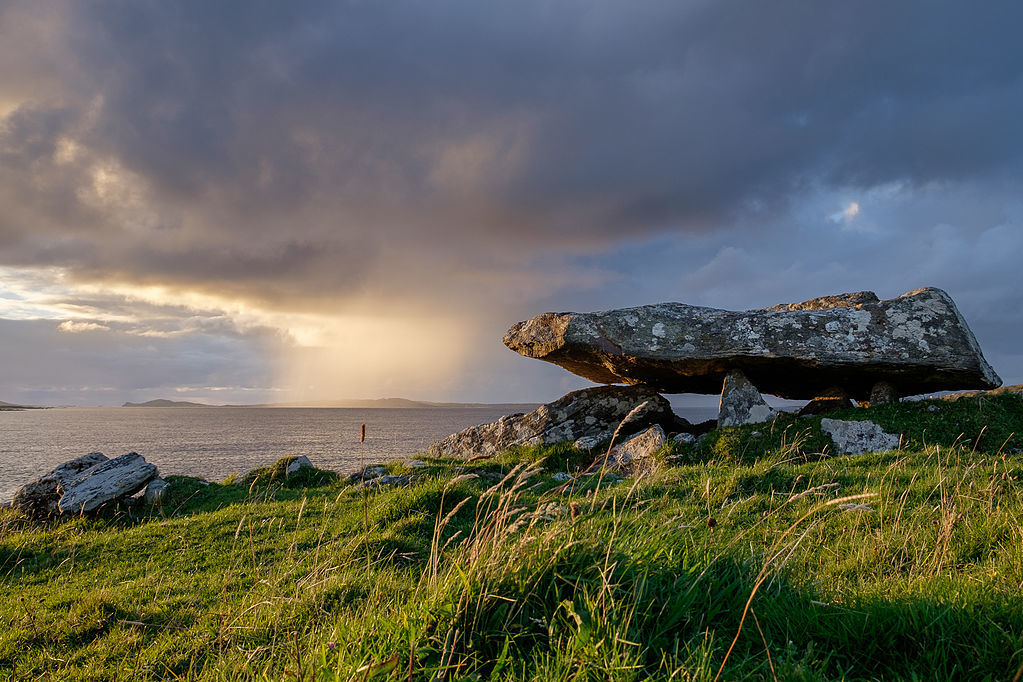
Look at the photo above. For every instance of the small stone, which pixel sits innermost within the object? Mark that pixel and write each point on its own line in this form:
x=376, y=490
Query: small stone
x=883, y=393
x=830, y=400
x=384, y=481
x=298, y=463
x=634, y=453
x=561, y=476
x=684, y=438
x=858, y=437
x=741, y=403
x=155, y=490
x=933, y=408
x=589, y=442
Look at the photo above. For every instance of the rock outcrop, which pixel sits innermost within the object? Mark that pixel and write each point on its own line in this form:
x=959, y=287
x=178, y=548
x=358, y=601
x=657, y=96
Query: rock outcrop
x=858, y=437
x=105, y=482
x=39, y=498
x=590, y=412
x=917, y=342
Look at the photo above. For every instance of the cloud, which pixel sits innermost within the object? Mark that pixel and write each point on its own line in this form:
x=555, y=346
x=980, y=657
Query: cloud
x=74, y=327
x=443, y=168
x=847, y=214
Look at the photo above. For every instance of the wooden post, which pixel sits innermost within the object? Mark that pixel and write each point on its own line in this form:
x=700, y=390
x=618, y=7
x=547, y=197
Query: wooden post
x=362, y=436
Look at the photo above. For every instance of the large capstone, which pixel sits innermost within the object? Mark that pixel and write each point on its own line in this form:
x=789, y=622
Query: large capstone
x=116, y=478
x=592, y=412
x=917, y=342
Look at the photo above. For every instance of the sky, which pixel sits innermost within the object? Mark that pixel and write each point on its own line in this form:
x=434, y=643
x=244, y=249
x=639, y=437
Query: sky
x=246, y=202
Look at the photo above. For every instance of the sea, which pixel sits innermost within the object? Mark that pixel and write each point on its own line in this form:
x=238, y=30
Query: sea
x=213, y=443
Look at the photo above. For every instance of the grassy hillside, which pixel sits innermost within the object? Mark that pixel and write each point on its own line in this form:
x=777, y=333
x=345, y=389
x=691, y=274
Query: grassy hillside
x=755, y=555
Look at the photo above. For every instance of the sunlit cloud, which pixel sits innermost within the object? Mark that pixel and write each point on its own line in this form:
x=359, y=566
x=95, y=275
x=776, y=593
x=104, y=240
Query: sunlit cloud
x=74, y=327
x=847, y=214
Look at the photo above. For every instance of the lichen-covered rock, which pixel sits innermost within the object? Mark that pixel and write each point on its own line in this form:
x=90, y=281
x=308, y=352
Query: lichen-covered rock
x=635, y=453
x=116, y=478
x=741, y=403
x=858, y=437
x=595, y=412
x=918, y=342
x=39, y=498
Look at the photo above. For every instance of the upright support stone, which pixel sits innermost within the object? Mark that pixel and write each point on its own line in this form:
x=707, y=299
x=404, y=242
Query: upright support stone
x=835, y=398
x=883, y=393
x=741, y=402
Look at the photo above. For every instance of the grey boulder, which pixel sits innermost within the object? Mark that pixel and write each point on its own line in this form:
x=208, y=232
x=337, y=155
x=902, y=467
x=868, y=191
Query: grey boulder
x=113, y=479
x=40, y=498
x=858, y=437
x=634, y=454
x=154, y=490
x=741, y=403
x=918, y=342
x=591, y=412
x=298, y=463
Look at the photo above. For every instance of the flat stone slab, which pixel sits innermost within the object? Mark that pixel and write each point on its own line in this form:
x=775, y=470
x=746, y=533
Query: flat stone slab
x=119, y=477
x=591, y=412
x=918, y=342
x=39, y=498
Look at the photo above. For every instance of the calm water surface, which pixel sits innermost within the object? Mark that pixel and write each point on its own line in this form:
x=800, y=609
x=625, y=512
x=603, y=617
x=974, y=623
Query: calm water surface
x=213, y=443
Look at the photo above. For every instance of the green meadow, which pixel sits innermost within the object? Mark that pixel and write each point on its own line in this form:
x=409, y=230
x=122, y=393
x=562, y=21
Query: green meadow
x=757, y=554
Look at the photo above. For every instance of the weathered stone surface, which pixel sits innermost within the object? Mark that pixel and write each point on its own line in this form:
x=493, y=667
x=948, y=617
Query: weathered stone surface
x=587, y=442
x=39, y=498
x=918, y=342
x=741, y=403
x=858, y=437
x=298, y=463
x=633, y=454
x=595, y=412
x=883, y=393
x=155, y=490
x=831, y=400
x=684, y=438
x=121, y=476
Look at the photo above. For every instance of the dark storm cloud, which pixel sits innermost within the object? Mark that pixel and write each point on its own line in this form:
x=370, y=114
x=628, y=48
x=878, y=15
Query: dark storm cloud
x=288, y=142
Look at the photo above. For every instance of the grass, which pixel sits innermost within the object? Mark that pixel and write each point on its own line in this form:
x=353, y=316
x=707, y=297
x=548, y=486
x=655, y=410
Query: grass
x=755, y=555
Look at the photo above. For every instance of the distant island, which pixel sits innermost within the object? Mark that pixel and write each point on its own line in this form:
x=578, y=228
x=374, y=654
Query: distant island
x=10, y=407
x=386, y=403
x=168, y=403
